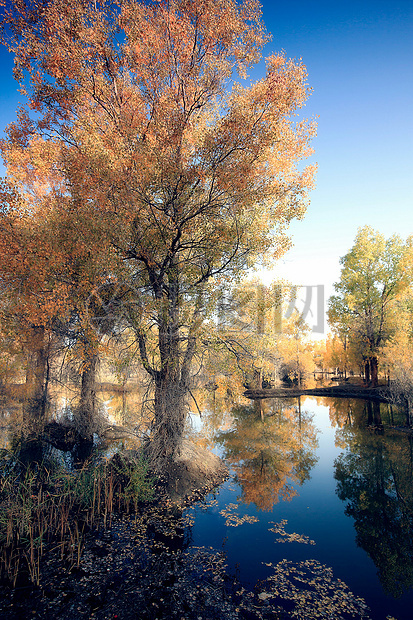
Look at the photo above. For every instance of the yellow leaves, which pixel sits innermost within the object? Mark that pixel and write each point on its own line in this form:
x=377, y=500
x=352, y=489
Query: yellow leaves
x=372, y=283
x=232, y=519
x=313, y=592
x=279, y=528
x=152, y=153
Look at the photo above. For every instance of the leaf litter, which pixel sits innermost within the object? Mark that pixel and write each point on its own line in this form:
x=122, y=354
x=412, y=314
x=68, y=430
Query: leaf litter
x=232, y=519
x=144, y=567
x=285, y=537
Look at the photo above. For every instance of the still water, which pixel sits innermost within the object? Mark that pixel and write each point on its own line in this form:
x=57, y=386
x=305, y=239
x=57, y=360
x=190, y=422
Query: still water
x=318, y=508
x=320, y=479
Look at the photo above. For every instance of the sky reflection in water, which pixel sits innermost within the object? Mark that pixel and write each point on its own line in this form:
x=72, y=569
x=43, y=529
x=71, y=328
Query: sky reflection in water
x=328, y=441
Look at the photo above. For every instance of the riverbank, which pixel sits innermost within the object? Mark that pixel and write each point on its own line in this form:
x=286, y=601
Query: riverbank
x=381, y=393
x=152, y=564
x=145, y=566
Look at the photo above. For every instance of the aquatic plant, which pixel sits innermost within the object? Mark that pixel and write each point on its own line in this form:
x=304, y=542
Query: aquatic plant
x=45, y=507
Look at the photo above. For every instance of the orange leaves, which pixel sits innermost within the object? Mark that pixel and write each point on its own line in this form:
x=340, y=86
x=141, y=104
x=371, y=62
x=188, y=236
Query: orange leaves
x=186, y=33
x=144, y=148
x=32, y=164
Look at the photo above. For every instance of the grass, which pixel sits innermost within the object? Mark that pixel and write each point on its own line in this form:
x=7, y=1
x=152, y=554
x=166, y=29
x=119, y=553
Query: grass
x=46, y=508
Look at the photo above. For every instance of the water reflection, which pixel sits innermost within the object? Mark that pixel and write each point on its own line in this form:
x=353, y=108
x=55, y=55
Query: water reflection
x=271, y=446
x=374, y=477
x=120, y=421
x=350, y=412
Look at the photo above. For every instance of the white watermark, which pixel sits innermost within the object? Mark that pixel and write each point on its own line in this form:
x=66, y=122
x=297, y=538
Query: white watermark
x=264, y=310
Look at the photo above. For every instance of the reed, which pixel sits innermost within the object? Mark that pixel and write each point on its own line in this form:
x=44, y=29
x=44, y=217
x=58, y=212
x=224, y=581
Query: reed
x=45, y=508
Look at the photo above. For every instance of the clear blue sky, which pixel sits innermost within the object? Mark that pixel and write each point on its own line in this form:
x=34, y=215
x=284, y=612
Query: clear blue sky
x=359, y=56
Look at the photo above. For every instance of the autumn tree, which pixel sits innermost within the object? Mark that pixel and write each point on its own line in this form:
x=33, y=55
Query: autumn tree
x=32, y=297
x=339, y=353
x=399, y=358
x=188, y=173
x=253, y=339
x=296, y=349
x=242, y=336
x=56, y=269
x=374, y=274
x=259, y=323
x=94, y=296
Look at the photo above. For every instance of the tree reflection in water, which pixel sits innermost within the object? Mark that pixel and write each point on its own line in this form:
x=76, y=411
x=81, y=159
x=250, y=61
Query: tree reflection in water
x=271, y=447
x=375, y=478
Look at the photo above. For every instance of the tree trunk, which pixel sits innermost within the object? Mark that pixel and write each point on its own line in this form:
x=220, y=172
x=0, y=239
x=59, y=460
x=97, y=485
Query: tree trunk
x=374, y=372
x=345, y=356
x=169, y=405
x=37, y=379
x=169, y=422
x=257, y=379
x=172, y=376
x=409, y=411
x=367, y=371
x=258, y=408
x=86, y=414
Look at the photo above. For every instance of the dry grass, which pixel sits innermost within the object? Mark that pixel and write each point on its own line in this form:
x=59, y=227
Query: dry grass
x=44, y=507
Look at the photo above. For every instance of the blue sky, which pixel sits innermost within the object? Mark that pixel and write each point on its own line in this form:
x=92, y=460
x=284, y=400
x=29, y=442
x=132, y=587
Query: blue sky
x=359, y=56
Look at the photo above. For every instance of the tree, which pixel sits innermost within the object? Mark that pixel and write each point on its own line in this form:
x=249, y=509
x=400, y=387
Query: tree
x=399, y=358
x=49, y=275
x=296, y=350
x=242, y=339
x=188, y=174
x=341, y=354
x=32, y=297
x=374, y=274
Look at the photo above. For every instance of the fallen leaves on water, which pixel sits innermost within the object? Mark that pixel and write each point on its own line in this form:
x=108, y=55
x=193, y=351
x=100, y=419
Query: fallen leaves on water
x=232, y=519
x=312, y=591
x=279, y=528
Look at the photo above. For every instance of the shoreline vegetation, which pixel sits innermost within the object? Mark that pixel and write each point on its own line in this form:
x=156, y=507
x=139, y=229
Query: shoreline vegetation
x=380, y=393
x=49, y=509
x=113, y=534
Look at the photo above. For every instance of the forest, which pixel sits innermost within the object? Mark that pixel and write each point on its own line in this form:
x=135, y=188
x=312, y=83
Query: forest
x=148, y=182
x=145, y=180
x=144, y=183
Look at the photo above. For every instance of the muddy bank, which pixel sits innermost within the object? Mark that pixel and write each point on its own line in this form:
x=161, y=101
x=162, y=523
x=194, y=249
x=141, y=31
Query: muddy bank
x=195, y=472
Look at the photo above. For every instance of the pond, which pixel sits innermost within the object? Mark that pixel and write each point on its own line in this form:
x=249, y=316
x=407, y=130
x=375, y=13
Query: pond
x=316, y=516
x=317, y=481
